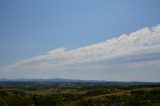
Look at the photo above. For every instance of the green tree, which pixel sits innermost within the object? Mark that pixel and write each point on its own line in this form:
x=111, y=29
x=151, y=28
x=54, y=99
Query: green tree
x=3, y=103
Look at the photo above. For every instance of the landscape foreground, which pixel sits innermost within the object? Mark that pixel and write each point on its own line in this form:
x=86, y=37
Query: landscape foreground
x=34, y=93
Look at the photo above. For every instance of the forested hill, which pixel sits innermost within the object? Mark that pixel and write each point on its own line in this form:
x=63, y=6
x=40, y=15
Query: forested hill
x=79, y=81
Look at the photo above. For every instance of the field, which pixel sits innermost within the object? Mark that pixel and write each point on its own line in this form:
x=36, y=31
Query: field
x=78, y=94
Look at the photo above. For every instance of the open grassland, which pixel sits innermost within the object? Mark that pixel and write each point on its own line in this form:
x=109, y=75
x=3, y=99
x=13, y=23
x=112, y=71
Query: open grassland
x=78, y=94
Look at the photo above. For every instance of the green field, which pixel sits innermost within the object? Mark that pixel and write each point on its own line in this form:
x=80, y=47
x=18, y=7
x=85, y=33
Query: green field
x=77, y=94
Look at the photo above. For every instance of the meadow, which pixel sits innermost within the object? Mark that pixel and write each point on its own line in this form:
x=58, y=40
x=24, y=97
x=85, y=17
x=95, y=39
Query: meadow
x=78, y=94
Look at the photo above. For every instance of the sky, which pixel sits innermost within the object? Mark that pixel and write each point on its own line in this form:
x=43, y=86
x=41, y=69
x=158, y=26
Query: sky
x=86, y=39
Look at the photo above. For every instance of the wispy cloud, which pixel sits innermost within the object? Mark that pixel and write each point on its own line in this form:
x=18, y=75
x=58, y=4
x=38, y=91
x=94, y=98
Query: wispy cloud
x=138, y=47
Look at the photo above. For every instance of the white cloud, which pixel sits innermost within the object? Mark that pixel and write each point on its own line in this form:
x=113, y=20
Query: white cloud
x=143, y=41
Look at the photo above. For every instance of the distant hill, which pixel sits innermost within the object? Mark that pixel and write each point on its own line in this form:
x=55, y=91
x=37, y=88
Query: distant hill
x=51, y=80
x=54, y=80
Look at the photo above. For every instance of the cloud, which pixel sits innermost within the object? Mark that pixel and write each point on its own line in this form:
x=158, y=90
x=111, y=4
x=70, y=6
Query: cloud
x=139, y=46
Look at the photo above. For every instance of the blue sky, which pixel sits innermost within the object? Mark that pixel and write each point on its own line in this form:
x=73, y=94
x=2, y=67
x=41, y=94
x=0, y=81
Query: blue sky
x=31, y=28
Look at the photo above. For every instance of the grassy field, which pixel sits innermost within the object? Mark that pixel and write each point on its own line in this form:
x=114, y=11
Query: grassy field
x=77, y=94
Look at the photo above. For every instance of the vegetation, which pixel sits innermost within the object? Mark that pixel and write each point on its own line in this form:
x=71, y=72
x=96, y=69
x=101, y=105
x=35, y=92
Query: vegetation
x=77, y=94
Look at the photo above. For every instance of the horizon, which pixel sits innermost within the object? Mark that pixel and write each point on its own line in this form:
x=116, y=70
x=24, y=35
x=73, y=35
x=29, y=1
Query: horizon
x=85, y=40
x=71, y=80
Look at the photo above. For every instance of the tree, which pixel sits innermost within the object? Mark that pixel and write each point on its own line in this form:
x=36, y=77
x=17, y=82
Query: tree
x=3, y=103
